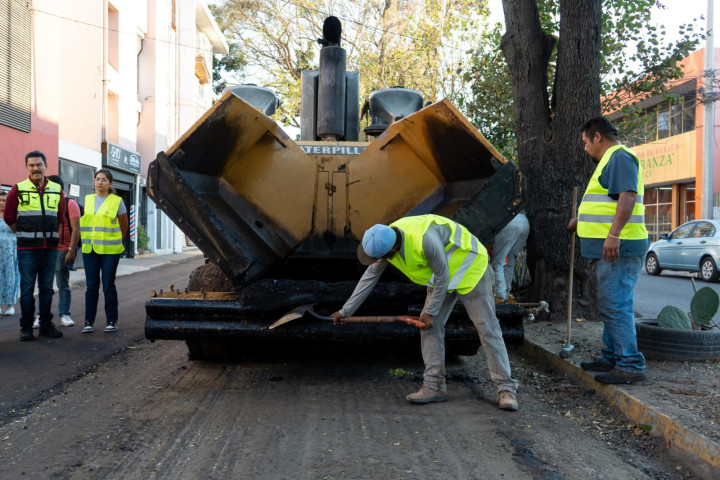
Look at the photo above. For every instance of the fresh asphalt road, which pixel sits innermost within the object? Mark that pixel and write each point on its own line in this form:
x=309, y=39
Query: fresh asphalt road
x=30, y=371
x=669, y=288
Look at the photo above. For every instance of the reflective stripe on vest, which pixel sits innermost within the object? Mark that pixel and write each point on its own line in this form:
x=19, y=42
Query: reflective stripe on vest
x=101, y=232
x=597, y=209
x=467, y=258
x=37, y=223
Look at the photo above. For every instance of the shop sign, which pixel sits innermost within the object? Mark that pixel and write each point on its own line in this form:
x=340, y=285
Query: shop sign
x=669, y=159
x=115, y=156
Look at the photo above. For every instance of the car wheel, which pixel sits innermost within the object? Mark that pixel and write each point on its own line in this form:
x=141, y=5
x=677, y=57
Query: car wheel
x=708, y=270
x=652, y=266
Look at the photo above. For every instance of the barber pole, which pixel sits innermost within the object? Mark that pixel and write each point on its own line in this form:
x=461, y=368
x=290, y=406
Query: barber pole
x=132, y=222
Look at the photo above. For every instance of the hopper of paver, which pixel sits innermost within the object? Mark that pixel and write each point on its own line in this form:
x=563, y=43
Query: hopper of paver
x=279, y=219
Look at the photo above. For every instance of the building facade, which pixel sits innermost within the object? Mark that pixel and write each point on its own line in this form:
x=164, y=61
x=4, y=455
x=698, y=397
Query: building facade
x=671, y=152
x=110, y=84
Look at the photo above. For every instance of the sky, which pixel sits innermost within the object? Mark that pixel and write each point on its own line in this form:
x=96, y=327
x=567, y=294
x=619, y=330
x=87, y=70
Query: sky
x=678, y=12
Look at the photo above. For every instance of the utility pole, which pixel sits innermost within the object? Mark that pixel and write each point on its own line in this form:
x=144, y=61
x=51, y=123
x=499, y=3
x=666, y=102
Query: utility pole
x=708, y=119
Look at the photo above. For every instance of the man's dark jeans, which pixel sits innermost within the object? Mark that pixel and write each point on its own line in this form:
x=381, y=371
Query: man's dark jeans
x=94, y=265
x=36, y=264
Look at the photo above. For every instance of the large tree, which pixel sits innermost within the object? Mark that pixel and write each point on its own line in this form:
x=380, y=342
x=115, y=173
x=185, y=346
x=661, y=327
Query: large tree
x=548, y=111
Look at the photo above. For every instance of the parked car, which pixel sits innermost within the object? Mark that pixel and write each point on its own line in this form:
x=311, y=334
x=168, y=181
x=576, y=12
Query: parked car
x=693, y=246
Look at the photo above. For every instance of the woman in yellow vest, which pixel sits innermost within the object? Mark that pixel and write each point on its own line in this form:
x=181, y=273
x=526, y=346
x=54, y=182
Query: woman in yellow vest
x=103, y=227
x=444, y=256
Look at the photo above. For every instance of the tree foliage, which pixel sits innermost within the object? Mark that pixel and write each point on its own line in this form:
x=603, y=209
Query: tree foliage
x=228, y=66
x=563, y=57
x=637, y=62
x=416, y=44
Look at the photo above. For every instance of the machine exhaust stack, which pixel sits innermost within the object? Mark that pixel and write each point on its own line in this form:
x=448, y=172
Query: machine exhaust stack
x=330, y=97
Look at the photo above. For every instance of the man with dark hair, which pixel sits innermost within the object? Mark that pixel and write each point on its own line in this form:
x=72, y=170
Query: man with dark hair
x=32, y=209
x=611, y=227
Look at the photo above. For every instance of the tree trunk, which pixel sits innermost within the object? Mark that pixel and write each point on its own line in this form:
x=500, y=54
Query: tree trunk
x=550, y=151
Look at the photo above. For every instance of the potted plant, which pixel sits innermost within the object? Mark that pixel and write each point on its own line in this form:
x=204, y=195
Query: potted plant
x=142, y=240
x=675, y=335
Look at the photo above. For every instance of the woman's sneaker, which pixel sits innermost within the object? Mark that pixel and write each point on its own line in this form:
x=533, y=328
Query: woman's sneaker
x=110, y=328
x=66, y=321
x=88, y=328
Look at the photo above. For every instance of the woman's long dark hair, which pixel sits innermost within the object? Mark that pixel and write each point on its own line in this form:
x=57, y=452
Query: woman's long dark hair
x=109, y=177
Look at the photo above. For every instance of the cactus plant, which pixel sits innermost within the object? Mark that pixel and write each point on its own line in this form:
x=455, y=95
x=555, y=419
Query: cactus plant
x=704, y=306
x=673, y=317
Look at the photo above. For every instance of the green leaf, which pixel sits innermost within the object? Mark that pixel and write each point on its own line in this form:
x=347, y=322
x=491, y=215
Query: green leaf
x=704, y=306
x=672, y=317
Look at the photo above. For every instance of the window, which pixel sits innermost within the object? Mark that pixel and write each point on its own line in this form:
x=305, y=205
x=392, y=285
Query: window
x=688, y=113
x=113, y=118
x=682, y=232
x=704, y=229
x=15, y=65
x=688, y=206
x=113, y=36
x=658, y=211
x=665, y=120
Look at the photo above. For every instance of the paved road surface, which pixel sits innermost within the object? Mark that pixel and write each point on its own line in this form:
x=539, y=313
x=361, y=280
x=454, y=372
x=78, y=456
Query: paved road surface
x=30, y=370
x=111, y=406
x=669, y=288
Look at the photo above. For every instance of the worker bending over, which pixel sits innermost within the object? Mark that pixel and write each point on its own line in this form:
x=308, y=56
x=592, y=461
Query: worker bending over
x=443, y=255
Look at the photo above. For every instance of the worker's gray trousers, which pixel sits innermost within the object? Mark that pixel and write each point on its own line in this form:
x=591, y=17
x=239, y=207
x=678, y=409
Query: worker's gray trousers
x=480, y=306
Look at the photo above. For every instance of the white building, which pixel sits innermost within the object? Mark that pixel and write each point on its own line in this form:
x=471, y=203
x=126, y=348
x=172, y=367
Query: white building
x=108, y=84
x=174, y=90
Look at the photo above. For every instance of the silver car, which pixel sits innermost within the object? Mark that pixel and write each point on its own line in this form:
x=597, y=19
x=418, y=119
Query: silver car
x=692, y=247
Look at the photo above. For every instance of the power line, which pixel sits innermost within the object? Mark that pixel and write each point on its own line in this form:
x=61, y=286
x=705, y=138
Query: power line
x=135, y=34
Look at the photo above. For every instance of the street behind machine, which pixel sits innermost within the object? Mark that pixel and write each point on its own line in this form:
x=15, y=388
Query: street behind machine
x=279, y=220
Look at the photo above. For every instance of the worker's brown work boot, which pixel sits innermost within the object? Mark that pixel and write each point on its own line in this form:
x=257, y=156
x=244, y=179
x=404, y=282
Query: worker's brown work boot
x=427, y=395
x=507, y=401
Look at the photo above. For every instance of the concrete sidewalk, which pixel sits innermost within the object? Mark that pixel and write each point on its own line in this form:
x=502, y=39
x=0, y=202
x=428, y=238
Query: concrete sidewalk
x=700, y=453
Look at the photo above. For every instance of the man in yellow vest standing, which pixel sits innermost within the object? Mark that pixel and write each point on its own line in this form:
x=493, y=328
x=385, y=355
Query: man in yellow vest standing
x=444, y=256
x=611, y=227
x=32, y=209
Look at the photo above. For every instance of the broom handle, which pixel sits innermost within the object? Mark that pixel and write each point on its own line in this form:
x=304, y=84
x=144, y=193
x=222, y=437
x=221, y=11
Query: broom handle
x=572, y=262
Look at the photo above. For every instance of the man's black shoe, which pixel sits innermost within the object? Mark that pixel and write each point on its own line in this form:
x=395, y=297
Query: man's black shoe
x=26, y=335
x=50, y=331
x=618, y=376
x=596, y=366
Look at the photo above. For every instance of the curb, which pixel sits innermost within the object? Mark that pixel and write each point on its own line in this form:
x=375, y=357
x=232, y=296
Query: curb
x=701, y=454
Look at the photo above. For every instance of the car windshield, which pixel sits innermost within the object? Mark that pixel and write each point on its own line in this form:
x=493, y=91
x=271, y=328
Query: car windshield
x=682, y=232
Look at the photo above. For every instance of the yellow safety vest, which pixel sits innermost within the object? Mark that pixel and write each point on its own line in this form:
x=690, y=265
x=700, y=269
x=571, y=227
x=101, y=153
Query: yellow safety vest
x=37, y=220
x=466, y=256
x=101, y=232
x=597, y=209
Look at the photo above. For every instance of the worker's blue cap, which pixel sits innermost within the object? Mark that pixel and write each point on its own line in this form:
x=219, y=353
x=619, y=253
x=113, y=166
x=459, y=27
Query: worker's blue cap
x=376, y=243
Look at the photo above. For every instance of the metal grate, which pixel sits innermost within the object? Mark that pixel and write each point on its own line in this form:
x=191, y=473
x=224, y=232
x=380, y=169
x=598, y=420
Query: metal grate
x=15, y=64
x=158, y=228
